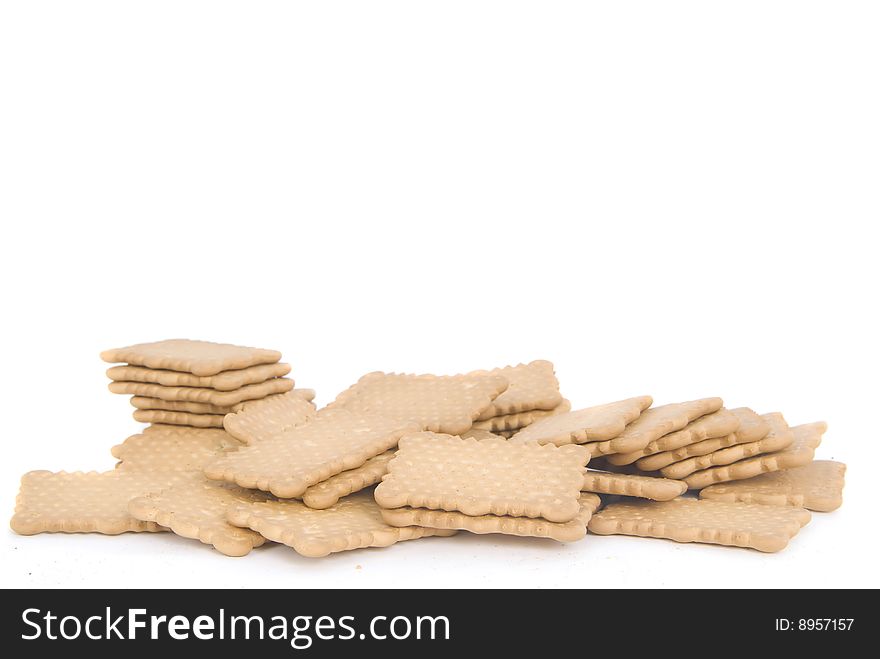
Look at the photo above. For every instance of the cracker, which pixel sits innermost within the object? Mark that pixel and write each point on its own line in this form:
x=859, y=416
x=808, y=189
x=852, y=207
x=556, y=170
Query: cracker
x=806, y=438
x=489, y=477
x=644, y=487
x=326, y=493
x=144, y=403
x=87, y=502
x=223, y=381
x=816, y=486
x=479, y=433
x=179, y=418
x=256, y=420
x=521, y=419
x=196, y=357
x=200, y=395
x=591, y=424
x=442, y=403
x=765, y=528
x=506, y=434
x=505, y=524
x=289, y=463
x=172, y=448
x=655, y=422
x=751, y=429
x=354, y=522
x=531, y=386
x=718, y=424
x=780, y=437
x=198, y=510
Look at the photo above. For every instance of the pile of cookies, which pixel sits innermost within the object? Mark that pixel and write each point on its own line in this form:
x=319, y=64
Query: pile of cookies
x=193, y=383
x=400, y=457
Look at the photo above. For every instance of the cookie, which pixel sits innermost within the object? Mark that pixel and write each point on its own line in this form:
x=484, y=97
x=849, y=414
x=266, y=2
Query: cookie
x=144, y=403
x=179, y=418
x=326, y=493
x=196, y=357
x=200, y=395
x=531, y=386
x=259, y=419
x=223, y=381
x=644, y=487
x=520, y=420
x=173, y=448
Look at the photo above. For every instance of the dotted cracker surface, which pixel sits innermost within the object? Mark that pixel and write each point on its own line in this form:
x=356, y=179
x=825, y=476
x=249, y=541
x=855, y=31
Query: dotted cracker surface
x=780, y=437
x=519, y=420
x=328, y=492
x=354, y=522
x=806, y=438
x=531, y=386
x=718, y=424
x=655, y=422
x=441, y=403
x=260, y=419
x=196, y=357
x=171, y=448
x=179, y=418
x=816, y=486
x=488, y=477
x=224, y=381
x=765, y=528
x=644, y=487
x=288, y=463
x=197, y=510
x=591, y=424
x=201, y=395
x=144, y=403
x=523, y=526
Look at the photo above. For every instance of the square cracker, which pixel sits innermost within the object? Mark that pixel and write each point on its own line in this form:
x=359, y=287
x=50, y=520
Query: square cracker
x=806, y=438
x=752, y=428
x=505, y=524
x=519, y=420
x=591, y=424
x=224, y=381
x=815, y=486
x=326, y=493
x=656, y=422
x=780, y=437
x=441, y=403
x=145, y=403
x=195, y=357
x=259, y=419
x=643, y=487
x=531, y=386
x=179, y=418
x=197, y=510
x=201, y=395
x=717, y=424
x=173, y=448
x=87, y=502
x=489, y=477
x=289, y=463
x=352, y=523
x=765, y=528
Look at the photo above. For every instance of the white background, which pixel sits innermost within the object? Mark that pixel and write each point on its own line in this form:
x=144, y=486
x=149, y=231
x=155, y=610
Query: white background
x=674, y=198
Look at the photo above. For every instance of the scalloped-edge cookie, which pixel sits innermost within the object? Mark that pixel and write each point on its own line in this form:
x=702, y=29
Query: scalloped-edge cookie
x=354, y=522
x=179, y=418
x=531, y=386
x=717, y=424
x=440, y=403
x=197, y=510
x=173, y=448
x=591, y=424
x=807, y=438
x=256, y=420
x=816, y=486
x=752, y=428
x=480, y=434
x=201, y=395
x=145, y=403
x=765, y=528
x=523, y=526
x=186, y=355
x=326, y=493
x=643, y=487
x=780, y=437
x=519, y=420
x=87, y=502
x=488, y=477
x=223, y=381
x=287, y=464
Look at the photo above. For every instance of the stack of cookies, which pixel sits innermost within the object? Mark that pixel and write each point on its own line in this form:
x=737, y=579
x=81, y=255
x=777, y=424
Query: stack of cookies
x=237, y=457
x=194, y=383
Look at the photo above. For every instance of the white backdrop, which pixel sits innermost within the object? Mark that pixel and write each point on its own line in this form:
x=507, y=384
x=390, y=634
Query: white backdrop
x=677, y=199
